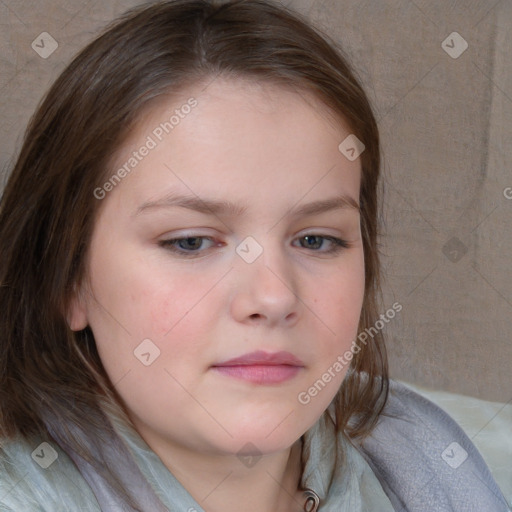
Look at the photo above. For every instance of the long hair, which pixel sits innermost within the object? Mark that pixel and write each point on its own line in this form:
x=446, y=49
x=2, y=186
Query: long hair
x=47, y=211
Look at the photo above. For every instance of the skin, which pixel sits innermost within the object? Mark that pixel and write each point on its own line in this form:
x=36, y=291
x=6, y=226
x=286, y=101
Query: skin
x=271, y=150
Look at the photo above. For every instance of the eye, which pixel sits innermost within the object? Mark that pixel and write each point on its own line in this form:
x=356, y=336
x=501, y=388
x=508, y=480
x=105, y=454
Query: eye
x=314, y=241
x=191, y=246
x=185, y=246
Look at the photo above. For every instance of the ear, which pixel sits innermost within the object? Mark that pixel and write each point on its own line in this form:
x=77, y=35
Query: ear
x=77, y=312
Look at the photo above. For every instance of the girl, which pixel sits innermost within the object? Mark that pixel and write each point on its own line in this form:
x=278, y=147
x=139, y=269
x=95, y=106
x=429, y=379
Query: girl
x=189, y=280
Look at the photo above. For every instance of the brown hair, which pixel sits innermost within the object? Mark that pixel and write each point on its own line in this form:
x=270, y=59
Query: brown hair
x=47, y=211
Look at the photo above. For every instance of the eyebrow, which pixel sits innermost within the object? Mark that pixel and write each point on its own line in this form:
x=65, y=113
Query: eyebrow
x=216, y=207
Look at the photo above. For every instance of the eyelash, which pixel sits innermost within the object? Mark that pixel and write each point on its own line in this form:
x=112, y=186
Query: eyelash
x=338, y=244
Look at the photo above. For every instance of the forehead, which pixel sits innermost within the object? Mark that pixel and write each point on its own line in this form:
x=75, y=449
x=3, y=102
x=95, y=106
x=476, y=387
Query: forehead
x=249, y=137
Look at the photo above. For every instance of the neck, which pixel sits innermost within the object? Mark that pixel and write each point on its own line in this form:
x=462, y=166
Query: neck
x=228, y=484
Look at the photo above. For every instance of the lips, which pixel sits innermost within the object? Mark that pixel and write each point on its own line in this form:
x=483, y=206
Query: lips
x=263, y=358
x=261, y=367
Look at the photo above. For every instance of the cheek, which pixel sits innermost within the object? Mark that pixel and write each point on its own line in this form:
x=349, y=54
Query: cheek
x=145, y=296
x=136, y=301
x=178, y=309
x=342, y=295
x=148, y=303
x=339, y=305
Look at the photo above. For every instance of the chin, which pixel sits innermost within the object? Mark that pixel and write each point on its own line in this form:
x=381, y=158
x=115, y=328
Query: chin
x=276, y=433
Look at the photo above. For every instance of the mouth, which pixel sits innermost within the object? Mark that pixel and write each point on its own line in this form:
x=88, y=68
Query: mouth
x=261, y=367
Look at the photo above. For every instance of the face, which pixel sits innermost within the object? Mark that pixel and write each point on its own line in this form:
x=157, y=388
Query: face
x=234, y=234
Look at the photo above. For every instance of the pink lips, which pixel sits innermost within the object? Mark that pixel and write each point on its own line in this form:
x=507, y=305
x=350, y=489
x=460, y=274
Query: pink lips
x=261, y=367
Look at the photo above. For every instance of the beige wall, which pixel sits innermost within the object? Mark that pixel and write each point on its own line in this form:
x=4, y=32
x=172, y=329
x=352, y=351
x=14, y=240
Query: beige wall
x=446, y=127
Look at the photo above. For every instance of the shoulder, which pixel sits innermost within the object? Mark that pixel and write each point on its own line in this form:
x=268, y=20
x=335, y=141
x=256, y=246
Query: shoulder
x=488, y=425
x=37, y=476
x=424, y=459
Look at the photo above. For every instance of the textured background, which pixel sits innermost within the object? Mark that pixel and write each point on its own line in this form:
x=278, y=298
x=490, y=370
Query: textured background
x=446, y=125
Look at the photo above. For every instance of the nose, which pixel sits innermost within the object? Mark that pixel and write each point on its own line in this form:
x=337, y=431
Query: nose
x=266, y=290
